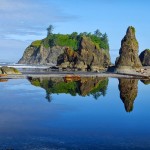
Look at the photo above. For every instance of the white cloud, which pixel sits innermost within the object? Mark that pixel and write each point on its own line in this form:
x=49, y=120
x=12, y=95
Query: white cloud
x=26, y=17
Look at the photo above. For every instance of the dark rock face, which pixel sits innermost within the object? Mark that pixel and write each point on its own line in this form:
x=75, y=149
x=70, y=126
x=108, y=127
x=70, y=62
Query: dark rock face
x=145, y=57
x=128, y=58
x=89, y=56
x=128, y=92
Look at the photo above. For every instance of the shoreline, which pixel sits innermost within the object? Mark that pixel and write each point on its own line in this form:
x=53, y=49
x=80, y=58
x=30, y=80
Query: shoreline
x=81, y=74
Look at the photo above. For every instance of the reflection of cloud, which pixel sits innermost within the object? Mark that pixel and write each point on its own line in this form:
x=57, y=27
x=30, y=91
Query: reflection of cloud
x=28, y=17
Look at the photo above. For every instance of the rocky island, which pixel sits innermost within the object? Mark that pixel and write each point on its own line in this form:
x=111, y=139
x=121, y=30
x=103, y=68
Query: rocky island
x=84, y=51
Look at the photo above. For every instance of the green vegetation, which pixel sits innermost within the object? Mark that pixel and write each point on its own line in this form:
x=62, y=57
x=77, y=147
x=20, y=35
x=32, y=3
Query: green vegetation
x=72, y=40
x=63, y=87
x=100, y=89
x=36, y=43
x=61, y=40
x=133, y=29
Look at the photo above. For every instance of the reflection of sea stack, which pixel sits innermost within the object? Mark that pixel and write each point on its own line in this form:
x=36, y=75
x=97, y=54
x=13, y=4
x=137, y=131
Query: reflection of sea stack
x=128, y=92
x=128, y=58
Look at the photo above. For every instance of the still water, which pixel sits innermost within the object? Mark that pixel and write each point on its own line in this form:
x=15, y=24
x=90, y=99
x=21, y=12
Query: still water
x=63, y=114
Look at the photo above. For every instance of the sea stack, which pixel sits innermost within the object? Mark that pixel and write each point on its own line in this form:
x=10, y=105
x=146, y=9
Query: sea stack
x=128, y=59
x=145, y=57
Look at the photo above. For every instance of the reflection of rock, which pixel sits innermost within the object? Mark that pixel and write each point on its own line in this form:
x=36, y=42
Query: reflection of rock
x=71, y=78
x=128, y=58
x=146, y=82
x=83, y=86
x=3, y=80
x=93, y=85
x=145, y=57
x=128, y=92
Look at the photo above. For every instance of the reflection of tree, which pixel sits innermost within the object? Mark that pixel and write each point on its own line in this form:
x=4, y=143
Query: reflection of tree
x=48, y=96
x=128, y=92
x=84, y=86
x=100, y=89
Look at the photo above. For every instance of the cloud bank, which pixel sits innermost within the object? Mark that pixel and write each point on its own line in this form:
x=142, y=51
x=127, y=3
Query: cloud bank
x=20, y=18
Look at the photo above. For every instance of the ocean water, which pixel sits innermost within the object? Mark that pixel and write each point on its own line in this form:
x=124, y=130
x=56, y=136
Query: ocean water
x=63, y=114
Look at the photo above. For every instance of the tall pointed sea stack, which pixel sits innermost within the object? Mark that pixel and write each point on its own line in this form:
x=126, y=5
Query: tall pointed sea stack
x=128, y=58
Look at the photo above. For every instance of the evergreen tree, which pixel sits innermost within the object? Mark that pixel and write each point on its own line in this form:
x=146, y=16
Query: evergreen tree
x=98, y=33
x=50, y=30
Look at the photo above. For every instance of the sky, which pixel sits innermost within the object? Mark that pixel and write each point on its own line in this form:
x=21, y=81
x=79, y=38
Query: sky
x=23, y=21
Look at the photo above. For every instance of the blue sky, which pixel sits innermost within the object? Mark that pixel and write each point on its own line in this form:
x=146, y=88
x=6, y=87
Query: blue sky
x=22, y=21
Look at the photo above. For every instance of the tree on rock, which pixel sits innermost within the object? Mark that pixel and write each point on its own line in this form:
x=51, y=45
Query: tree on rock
x=98, y=33
x=50, y=30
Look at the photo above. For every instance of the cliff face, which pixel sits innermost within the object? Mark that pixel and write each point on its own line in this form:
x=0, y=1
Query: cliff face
x=88, y=55
x=128, y=58
x=145, y=57
x=41, y=55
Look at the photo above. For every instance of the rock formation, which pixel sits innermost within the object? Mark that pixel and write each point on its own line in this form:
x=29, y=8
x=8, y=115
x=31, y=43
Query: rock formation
x=145, y=57
x=128, y=92
x=88, y=57
x=128, y=58
x=39, y=54
x=8, y=70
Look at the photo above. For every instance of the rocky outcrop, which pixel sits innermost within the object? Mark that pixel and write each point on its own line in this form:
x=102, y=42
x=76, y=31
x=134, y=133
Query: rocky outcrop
x=41, y=55
x=145, y=57
x=88, y=57
x=128, y=92
x=128, y=58
x=8, y=71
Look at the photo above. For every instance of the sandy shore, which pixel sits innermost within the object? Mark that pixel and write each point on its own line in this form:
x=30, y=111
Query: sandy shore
x=42, y=73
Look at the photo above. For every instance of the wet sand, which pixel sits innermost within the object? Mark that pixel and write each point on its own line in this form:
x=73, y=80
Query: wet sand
x=82, y=74
x=41, y=73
